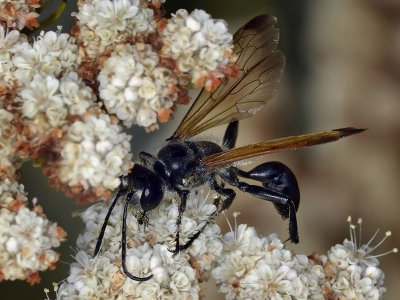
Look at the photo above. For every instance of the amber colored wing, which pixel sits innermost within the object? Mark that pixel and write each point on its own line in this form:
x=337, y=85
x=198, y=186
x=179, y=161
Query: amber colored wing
x=260, y=66
x=286, y=143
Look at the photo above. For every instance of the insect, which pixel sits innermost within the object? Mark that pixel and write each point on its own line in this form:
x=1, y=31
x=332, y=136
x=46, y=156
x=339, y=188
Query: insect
x=183, y=164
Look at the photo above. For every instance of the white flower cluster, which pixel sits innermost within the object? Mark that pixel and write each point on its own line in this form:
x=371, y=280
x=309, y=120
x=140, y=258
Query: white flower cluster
x=61, y=125
x=52, y=53
x=103, y=23
x=95, y=152
x=8, y=41
x=199, y=44
x=26, y=236
x=134, y=87
x=256, y=267
x=352, y=271
x=49, y=101
x=174, y=277
x=143, y=62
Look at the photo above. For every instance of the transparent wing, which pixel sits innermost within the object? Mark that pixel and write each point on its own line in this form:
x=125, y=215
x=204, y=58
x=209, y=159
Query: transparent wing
x=286, y=143
x=260, y=66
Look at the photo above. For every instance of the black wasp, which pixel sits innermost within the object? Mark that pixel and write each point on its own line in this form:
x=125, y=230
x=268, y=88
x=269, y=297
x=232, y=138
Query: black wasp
x=182, y=164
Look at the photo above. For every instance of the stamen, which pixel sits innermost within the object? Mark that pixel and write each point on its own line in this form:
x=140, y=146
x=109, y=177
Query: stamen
x=372, y=238
x=394, y=250
x=359, y=221
x=387, y=234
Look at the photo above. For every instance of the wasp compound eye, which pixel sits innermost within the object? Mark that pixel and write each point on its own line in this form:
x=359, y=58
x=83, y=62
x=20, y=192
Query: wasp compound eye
x=152, y=194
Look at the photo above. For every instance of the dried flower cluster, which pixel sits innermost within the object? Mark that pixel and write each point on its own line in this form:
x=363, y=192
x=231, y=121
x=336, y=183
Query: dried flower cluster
x=19, y=13
x=26, y=236
x=244, y=264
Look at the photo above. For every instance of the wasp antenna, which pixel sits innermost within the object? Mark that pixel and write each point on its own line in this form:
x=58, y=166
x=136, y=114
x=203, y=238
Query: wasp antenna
x=347, y=131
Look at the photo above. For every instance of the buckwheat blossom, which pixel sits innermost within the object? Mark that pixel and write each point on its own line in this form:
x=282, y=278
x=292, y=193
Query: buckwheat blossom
x=19, y=13
x=26, y=236
x=351, y=269
x=103, y=23
x=174, y=277
x=135, y=87
x=8, y=41
x=52, y=53
x=48, y=101
x=200, y=45
x=94, y=153
x=255, y=267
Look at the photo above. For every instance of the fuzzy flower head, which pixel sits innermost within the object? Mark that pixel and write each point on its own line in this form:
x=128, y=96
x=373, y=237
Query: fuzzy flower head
x=52, y=53
x=94, y=154
x=26, y=236
x=135, y=87
x=103, y=23
x=174, y=276
x=256, y=267
x=200, y=45
x=10, y=42
x=351, y=270
x=48, y=101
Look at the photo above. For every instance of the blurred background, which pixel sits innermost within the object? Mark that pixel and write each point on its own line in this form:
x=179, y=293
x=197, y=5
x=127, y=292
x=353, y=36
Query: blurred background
x=343, y=69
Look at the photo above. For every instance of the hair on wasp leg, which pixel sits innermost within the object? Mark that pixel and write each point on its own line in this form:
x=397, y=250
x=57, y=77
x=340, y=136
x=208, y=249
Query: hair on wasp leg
x=182, y=164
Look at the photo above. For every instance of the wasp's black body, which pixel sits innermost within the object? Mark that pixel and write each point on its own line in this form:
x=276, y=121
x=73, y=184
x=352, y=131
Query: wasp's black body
x=178, y=167
x=182, y=164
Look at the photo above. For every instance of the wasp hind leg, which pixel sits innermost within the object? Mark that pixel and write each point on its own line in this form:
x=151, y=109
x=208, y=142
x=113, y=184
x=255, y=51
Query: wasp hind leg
x=279, y=186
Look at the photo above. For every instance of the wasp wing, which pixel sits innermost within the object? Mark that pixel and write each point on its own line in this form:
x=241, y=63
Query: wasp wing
x=260, y=66
x=286, y=143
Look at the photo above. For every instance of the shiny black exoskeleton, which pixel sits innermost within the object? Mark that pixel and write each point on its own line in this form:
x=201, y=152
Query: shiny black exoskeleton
x=178, y=168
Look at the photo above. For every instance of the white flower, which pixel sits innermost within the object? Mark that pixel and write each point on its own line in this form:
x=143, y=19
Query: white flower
x=103, y=23
x=52, y=100
x=200, y=45
x=52, y=53
x=94, y=153
x=134, y=87
x=174, y=276
x=26, y=235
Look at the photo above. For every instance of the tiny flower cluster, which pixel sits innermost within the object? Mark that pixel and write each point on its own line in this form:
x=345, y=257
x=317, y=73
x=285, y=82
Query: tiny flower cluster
x=19, y=13
x=174, y=277
x=55, y=112
x=141, y=63
x=26, y=236
x=199, y=45
x=256, y=267
x=134, y=87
